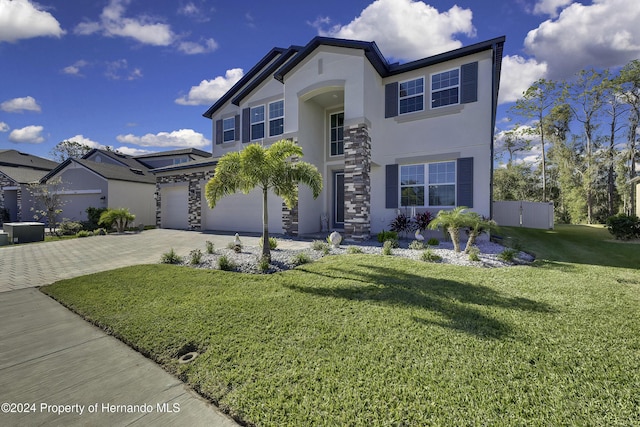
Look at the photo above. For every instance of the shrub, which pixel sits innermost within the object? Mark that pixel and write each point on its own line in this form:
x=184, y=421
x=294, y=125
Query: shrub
x=273, y=243
x=224, y=263
x=195, y=257
x=433, y=242
x=100, y=232
x=429, y=256
x=508, y=255
x=84, y=233
x=422, y=220
x=118, y=218
x=236, y=247
x=264, y=264
x=93, y=217
x=474, y=253
x=69, y=228
x=319, y=245
x=386, y=247
x=383, y=236
x=170, y=257
x=417, y=245
x=402, y=224
x=354, y=250
x=210, y=247
x=301, y=258
x=624, y=227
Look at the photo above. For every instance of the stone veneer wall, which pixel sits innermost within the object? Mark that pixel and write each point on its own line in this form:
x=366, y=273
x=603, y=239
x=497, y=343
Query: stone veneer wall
x=194, y=180
x=357, y=183
x=290, y=220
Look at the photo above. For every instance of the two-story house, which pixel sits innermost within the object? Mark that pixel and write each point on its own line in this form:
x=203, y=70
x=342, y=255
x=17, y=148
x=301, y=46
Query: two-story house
x=386, y=137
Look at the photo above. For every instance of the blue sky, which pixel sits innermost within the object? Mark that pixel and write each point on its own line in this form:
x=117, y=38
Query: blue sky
x=137, y=75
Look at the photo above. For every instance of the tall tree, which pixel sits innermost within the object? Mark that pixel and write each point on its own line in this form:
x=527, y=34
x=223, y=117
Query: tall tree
x=274, y=168
x=629, y=80
x=69, y=149
x=535, y=104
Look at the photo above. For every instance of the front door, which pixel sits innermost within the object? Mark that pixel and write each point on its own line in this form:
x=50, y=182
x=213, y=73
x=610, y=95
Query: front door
x=338, y=199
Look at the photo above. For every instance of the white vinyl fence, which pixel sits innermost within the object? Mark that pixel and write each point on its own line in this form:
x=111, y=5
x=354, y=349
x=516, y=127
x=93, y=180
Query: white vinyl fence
x=524, y=214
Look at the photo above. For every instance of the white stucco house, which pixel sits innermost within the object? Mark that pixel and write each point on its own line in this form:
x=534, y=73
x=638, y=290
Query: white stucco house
x=385, y=137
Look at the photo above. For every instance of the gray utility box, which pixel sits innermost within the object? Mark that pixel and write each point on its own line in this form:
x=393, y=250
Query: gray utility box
x=24, y=232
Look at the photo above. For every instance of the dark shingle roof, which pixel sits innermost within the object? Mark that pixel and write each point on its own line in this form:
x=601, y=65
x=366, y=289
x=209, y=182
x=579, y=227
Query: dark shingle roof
x=193, y=151
x=109, y=171
x=22, y=175
x=17, y=158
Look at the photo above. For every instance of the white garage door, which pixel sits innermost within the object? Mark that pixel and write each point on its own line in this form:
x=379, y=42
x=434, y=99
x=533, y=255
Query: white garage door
x=174, y=207
x=242, y=213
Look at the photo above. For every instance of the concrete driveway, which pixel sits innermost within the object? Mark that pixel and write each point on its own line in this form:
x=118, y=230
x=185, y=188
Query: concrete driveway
x=69, y=372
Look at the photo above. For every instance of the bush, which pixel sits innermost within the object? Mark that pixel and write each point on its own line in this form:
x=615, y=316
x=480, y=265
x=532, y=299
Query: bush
x=236, y=247
x=429, y=256
x=319, y=245
x=354, y=250
x=422, y=220
x=402, y=224
x=383, y=236
x=210, y=247
x=417, y=245
x=69, y=228
x=301, y=258
x=474, y=253
x=195, y=257
x=93, y=217
x=273, y=243
x=170, y=257
x=84, y=233
x=433, y=242
x=118, y=218
x=508, y=255
x=263, y=264
x=624, y=227
x=224, y=263
x=386, y=247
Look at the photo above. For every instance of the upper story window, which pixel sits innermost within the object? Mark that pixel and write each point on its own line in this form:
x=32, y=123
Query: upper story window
x=445, y=88
x=435, y=188
x=229, y=129
x=337, y=134
x=179, y=160
x=411, y=96
x=276, y=118
x=257, y=122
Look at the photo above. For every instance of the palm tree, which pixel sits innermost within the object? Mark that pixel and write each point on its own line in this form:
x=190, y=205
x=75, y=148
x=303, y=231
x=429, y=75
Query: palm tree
x=271, y=168
x=477, y=225
x=452, y=221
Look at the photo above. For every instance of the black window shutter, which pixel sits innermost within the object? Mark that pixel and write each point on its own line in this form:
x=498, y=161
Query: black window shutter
x=464, y=182
x=236, y=128
x=392, y=186
x=246, y=125
x=469, y=80
x=391, y=100
x=218, y=131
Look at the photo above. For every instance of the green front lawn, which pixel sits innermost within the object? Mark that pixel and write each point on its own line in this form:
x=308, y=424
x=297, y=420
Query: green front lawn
x=373, y=340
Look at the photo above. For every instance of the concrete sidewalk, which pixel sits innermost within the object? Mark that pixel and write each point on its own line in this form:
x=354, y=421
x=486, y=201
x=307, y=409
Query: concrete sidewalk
x=50, y=357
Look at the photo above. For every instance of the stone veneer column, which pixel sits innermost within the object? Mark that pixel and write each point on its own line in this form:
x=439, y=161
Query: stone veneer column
x=194, y=182
x=357, y=182
x=290, y=220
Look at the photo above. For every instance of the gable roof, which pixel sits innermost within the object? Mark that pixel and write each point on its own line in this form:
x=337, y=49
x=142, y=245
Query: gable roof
x=107, y=171
x=123, y=159
x=22, y=175
x=293, y=56
x=19, y=159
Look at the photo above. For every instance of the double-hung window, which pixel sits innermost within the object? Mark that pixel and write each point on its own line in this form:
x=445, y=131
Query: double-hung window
x=411, y=96
x=337, y=134
x=229, y=129
x=257, y=122
x=445, y=88
x=276, y=118
x=430, y=185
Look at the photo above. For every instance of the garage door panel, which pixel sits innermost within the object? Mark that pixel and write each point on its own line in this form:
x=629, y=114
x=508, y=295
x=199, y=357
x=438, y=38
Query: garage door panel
x=243, y=212
x=174, y=207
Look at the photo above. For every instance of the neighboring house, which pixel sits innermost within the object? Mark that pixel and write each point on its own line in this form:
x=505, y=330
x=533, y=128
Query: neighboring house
x=105, y=178
x=17, y=171
x=387, y=138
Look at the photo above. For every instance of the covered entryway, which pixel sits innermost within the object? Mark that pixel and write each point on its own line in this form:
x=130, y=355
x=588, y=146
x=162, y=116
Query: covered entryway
x=174, y=206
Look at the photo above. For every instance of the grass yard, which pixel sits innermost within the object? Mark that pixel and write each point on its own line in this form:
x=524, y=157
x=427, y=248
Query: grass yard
x=373, y=340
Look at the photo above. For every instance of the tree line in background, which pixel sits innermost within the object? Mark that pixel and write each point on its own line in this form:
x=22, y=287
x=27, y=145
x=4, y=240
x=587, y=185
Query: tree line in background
x=586, y=133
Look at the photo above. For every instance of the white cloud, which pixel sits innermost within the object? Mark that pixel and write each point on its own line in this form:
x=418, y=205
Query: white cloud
x=21, y=19
x=405, y=29
x=133, y=151
x=550, y=7
x=112, y=23
x=193, y=48
x=517, y=76
x=80, y=139
x=603, y=34
x=195, y=12
x=186, y=138
x=18, y=105
x=119, y=70
x=75, y=69
x=27, y=135
x=209, y=91
x=4, y=127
